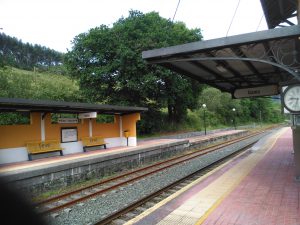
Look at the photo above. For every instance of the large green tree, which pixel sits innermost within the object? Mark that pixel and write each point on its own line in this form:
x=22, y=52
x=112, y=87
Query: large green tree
x=108, y=63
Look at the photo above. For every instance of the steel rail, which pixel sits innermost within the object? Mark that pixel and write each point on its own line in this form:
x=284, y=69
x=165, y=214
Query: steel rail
x=55, y=198
x=176, y=160
x=109, y=219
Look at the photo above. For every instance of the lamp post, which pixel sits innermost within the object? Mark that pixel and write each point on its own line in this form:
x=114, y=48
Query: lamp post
x=234, y=118
x=260, y=118
x=204, y=106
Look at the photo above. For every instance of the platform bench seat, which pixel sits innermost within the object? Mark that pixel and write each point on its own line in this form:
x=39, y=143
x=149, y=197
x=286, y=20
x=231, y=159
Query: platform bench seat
x=39, y=147
x=93, y=141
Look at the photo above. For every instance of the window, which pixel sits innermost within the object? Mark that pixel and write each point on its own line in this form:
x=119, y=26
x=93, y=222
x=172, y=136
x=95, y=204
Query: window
x=102, y=118
x=14, y=118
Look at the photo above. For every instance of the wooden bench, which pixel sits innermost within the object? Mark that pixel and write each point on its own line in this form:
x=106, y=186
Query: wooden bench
x=39, y=147
x=93, y=141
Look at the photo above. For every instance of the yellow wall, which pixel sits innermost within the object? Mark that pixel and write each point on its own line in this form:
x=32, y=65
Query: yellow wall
x=12, y=136
x=129, y=123
x=106, y=130
x=53, y=131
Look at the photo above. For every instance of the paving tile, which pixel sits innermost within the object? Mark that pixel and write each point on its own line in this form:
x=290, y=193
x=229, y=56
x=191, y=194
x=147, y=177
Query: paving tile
x=268, y=195
x=255, y=194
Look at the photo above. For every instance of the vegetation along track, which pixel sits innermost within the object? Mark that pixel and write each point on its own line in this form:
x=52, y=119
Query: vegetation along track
x=66, y=200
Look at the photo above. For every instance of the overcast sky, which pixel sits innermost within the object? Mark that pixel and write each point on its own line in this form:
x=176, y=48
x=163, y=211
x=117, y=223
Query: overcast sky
x=54, y=23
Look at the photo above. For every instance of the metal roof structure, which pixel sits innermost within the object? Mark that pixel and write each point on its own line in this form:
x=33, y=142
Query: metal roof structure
x=278, y=12
x=270, y=57
x=23, y=105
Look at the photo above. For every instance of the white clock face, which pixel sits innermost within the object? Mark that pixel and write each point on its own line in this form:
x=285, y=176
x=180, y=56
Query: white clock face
x=291, y=98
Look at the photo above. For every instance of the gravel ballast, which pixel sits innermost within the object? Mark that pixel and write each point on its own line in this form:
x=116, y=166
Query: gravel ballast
x=95, y=209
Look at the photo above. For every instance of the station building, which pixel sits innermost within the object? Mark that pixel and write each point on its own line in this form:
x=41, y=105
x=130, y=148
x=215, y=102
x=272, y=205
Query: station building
x=47, y=122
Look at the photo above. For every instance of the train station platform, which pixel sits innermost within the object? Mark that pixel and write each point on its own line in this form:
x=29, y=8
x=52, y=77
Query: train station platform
x=44, y=174
x=255, y=188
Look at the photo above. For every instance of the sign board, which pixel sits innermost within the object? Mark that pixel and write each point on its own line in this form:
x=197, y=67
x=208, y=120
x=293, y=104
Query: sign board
x=256, y=92
x=87, y=115
x=68, y=134
x=67, y=120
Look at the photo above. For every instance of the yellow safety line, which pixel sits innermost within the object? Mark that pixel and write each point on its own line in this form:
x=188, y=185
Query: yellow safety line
x=176, y=194
x=220, y=200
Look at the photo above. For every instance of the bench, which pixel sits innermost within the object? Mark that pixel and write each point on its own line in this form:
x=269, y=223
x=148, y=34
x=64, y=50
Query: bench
x=93, y=141
x=39, y=147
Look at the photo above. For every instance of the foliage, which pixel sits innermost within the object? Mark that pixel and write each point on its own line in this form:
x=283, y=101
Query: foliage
x=108, y=63
x=102, y=118
x=14, y=52
x=220, y=105
x=16, y=83
x=14, y=118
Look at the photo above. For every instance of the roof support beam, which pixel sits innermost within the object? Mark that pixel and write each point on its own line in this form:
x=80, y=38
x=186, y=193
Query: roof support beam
x=201, y=66
x=238, y=52
x=271, y=57
x=291, y=72
x=289, y=22
x=184, y=72
x=229, y=68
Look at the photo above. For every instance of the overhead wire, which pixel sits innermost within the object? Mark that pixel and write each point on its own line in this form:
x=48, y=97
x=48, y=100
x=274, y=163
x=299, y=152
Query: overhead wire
x=176, y=10
x=233, y=17
x=259, y=22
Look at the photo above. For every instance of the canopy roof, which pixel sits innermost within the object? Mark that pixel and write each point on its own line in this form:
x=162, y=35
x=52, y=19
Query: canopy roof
x=279, y=11
x=17, y=104
x=250, y=60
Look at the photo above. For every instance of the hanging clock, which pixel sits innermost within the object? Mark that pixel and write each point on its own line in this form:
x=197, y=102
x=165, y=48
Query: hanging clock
x=291, y=98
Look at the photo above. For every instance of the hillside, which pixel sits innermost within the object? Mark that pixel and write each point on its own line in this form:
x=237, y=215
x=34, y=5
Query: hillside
x=14, y=52
x=18, y=83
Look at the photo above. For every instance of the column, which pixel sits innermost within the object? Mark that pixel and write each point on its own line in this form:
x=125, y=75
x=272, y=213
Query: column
x=296, y=145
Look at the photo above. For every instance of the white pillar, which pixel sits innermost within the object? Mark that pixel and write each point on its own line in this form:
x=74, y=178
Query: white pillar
x=121, y=126
x=90, y=128
x=43, y=132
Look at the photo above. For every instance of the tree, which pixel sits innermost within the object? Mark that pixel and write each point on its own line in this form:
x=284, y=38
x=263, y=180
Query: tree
x=220, y=105
x=108, y=63
x=14, y=52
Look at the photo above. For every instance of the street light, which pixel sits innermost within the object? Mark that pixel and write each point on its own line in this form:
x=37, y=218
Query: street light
x=234, y=118
x=260, y=118
x=204, y=106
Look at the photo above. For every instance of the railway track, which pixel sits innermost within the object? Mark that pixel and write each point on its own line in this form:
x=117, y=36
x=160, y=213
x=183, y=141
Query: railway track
x=60, y=202
x=138, y=207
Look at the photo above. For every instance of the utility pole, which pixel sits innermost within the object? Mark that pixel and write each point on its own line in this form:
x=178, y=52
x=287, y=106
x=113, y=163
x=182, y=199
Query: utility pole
x=204, y=106
x=234, y=123
x=260, y=118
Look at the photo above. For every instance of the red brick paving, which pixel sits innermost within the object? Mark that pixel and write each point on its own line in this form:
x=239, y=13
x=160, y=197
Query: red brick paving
x=268, y=195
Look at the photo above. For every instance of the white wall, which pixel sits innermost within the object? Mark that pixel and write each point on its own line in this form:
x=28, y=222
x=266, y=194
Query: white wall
x=11, y=155
x=72, y=147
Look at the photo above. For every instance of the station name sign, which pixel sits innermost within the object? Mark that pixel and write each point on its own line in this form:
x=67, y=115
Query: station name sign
x=256, y=92
x=87, y=115
x=67, y=120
